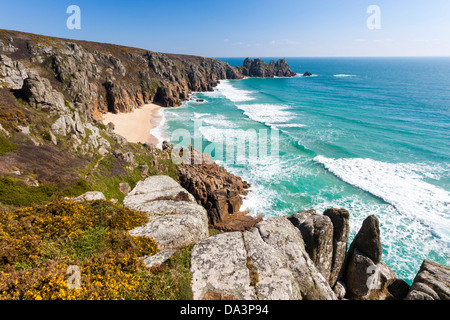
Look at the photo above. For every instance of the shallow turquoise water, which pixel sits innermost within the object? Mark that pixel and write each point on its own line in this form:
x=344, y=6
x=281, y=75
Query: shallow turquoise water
x=369, y=135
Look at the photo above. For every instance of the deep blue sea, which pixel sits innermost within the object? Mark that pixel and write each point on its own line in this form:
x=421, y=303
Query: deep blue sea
x=371, y=135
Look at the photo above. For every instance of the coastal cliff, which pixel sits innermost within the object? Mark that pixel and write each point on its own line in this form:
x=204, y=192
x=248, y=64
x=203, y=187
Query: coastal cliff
x=96, y=77
x=53, y=146
x=54, y=91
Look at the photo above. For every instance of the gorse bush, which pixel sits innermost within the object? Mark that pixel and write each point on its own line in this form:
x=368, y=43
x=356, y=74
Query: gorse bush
x=39, y=243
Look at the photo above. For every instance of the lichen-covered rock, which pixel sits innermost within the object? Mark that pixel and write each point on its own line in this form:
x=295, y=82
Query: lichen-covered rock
x=158, y=258
x=12, y=73
x=317, y=233
x=284, y=237
x=91, y=196
x=219, y=264
x=269, y=270
x=432, y=282
x=340, y=219
x=175, y=219
x=41, y=95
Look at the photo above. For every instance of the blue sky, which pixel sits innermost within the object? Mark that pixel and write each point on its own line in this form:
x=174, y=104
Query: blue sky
x=256, y=28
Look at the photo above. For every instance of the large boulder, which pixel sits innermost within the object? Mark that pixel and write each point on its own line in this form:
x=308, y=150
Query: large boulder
x=281, y=234
x=175, y=219
x=268, y=262
x=341, y=229
x=219, y=264
x=432, y=282
x=368, y=240
x=317, y=233
x=365, y=276
x=269, y=270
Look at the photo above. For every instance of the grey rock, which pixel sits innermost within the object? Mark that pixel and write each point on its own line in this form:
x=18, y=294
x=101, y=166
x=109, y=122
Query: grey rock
x=41, y=95
x=91, y=196
x=365, y=276
x=368, y=239
x=4, y=130
x=340, y=218
x=284, y=237
x=269, y=269
x=12, y=73
x=60, y=126
x=158, y=259
x=124, y=187
x=432, y=282
x=175, y=219
x=317, y=233
x=102, y=150
x=219, y=264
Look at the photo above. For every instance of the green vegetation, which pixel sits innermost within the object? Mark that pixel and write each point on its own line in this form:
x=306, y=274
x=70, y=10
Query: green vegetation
x=79, y=188
x=6, y=146
x=18, y=194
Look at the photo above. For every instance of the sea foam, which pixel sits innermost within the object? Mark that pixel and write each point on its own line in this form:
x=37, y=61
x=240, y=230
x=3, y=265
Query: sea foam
x=269, y=114
x=400, y=184
x=234, y=94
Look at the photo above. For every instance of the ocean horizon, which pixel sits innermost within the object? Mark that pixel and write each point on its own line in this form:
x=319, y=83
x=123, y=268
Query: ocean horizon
x=370, y=135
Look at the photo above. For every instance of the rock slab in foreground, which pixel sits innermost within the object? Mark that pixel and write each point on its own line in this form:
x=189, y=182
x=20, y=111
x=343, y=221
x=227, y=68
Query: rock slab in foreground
x=432, y=282
x=268, y=262
x=176, y=220
x=219, y=264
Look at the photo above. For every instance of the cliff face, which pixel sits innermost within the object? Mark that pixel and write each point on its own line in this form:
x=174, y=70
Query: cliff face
x=97, y=77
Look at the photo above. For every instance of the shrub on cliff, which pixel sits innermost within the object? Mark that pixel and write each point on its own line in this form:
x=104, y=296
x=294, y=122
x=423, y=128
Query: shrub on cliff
x=39, y=243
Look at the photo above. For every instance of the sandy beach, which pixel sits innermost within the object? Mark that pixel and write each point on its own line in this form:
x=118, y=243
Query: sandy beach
x=137, y=126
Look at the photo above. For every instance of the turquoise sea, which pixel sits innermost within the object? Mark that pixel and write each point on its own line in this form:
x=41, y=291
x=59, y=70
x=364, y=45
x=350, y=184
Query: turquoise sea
x=371, y=135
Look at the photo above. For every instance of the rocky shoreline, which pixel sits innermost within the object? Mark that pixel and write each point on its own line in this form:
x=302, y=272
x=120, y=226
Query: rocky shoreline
x=302, y=256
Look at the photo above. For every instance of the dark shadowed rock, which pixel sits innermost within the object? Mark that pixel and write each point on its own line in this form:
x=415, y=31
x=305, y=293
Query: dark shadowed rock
x=399, y=289
x=432, y=282
x=366, y=280
x=368, y=239
x=307, y=74
x=366, y=277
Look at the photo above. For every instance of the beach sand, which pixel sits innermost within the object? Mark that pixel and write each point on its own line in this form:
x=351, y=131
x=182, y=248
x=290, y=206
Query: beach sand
x=136, y=126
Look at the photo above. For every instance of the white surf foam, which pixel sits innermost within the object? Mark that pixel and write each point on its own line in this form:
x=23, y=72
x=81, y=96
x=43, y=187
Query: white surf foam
x=401, y=185
x=234, y=94
x=343, y=75
x=217, y=120
x=269, y=114
x=290, y=125
x=158, y=132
